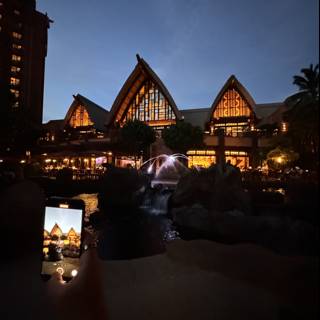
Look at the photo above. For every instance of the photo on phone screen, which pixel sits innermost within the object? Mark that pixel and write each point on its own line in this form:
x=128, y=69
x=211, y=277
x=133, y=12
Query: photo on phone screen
x=62, y=240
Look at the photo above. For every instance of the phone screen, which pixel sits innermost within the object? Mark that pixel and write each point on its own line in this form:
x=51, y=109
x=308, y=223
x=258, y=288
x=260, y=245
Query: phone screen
x=62, y=241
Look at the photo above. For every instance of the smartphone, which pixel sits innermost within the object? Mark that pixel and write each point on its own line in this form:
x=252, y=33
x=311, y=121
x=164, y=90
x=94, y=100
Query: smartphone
x=62, y=237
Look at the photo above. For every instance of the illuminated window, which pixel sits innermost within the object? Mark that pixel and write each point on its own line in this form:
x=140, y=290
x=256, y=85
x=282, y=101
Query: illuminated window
x=14, y=81
x=239, y=159
x=80, y=118
x=284, y=126
x=16, y=58
x=15, y=92
x=16, y=105
x=232, y=105
x=17, y=12
x=232, y=114
x=232, y=129
x=15, y=69
x=149, y=104
x=17, y=35
x=16, y=46
x=201, y=158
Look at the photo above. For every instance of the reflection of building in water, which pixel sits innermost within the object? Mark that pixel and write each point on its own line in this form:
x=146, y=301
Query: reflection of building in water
x=235, y=128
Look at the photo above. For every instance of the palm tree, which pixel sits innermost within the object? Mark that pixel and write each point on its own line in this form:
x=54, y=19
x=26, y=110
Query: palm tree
x=303, y=114
x=309, y=83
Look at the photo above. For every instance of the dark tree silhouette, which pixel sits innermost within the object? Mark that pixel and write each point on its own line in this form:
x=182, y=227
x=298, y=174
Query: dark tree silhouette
x=182, y=137
x=136, y=137
x=303, y=116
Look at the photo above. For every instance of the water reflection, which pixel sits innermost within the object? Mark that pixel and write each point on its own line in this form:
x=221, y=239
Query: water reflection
x=91, y=203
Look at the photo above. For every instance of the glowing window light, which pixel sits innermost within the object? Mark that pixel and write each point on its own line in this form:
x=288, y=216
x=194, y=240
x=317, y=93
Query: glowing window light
x=284, y=127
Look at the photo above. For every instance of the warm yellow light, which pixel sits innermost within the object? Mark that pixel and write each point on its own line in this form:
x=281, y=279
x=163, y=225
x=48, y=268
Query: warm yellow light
x=65, y=159
x=74, y=272
x=284, y=126
x=279, y=159
x=23, y=161
x=54, y=160
x=47, y=160
x=110, y=153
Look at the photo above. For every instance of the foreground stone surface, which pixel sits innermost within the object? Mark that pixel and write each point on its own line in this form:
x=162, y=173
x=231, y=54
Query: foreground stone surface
x=205, y=280
x=193, y=280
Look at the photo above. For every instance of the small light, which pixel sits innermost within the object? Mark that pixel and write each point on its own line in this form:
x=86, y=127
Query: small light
x=74, y=272
x=1, y=160
x=63, y=205
x=23, y=161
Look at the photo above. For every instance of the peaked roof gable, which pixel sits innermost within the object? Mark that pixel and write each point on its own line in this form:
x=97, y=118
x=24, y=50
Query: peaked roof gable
x=141, y=72
x=56, y=230
x=97, y=114
x=234, y=83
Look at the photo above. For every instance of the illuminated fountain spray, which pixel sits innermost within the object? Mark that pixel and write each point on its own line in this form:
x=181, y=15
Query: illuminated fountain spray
x=166, y=165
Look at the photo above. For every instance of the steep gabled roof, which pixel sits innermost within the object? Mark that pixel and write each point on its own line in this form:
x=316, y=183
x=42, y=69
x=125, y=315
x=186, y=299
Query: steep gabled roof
x=197, y=117
x=56, y=230
x=140, y=73
x=232, y=82
x=276, y=116
x=263, y=110
x=53, y=125
x=97, y=114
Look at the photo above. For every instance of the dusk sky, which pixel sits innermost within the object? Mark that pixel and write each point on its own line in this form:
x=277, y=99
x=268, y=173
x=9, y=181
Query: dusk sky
x=193, y=46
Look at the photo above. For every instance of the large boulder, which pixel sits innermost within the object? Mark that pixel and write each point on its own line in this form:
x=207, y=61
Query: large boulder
x=121, y=189
x=280, y=234
x=216, y=188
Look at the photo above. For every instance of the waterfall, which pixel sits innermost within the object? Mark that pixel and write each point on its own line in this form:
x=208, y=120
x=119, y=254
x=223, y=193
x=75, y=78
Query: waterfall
x=155, y=201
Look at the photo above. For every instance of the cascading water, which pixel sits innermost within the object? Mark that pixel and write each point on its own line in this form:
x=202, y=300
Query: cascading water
x=155, y=201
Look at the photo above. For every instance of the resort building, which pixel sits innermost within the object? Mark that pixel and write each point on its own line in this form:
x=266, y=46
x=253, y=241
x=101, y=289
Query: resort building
x=23, y=42
x=233, y=126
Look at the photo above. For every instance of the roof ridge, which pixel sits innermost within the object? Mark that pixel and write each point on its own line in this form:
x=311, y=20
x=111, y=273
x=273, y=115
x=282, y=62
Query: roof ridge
x=80, y=96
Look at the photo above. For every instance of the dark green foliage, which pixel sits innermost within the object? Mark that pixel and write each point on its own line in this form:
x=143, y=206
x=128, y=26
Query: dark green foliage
x=136, y=136
x=303, y=116
x=182, y=137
